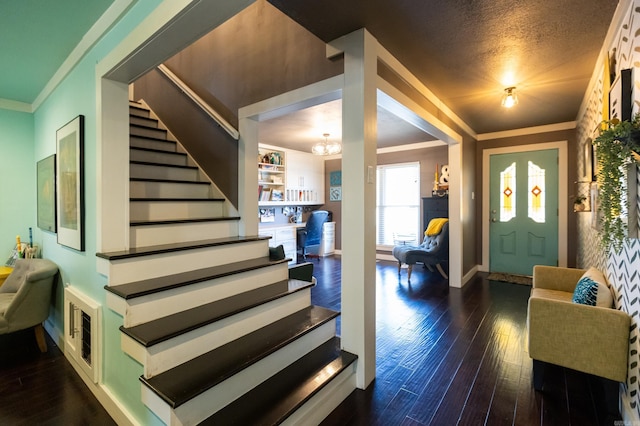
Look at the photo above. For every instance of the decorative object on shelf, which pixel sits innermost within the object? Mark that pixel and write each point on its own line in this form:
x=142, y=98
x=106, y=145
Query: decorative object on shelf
x=46, y=181
x=617, y=148
x=510, y=98
x=325, y=147
x=441, y=181
x=70, y=183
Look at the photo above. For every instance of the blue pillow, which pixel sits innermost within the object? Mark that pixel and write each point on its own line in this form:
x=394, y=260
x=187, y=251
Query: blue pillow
x=586, y=292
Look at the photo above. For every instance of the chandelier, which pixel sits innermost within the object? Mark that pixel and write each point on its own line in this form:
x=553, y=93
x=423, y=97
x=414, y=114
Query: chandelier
x=325, y=147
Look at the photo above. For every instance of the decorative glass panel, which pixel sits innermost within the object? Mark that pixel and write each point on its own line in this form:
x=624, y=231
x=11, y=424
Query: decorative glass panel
x=536, y=193
x=508, y=193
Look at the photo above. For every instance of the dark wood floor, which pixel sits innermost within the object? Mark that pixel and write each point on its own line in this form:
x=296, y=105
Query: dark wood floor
x=43, y=389
x=444, y=357
x=456, y=356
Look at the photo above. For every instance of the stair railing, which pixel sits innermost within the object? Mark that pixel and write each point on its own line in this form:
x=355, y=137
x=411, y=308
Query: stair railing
x=199, y=101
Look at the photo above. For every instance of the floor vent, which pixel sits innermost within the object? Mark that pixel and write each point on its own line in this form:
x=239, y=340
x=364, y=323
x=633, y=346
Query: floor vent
x=82, y=331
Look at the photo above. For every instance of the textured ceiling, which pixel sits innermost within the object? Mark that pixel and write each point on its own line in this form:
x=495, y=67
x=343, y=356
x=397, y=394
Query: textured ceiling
x=468, y=51
x=36, y=36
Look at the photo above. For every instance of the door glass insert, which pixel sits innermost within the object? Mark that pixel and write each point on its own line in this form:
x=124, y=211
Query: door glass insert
x=508, y=193
x=536, y=193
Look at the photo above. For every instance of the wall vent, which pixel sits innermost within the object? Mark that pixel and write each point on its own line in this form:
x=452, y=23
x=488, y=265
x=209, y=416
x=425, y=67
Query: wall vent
x=82, y=331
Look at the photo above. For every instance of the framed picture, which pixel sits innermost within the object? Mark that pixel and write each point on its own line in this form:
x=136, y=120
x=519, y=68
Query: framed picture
x=596, y=220
x=70, y=183
x=335, y=193
x=620, y=102
x=46, y=184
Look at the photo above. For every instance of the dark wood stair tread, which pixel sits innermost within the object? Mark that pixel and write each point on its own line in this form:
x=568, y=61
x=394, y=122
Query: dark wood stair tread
x=274, y=400
x=177, y=199
x=142, y=126
x=158, y=151
x=174, y=166
x=167, y=282
x=188, y=380
x=174, y=247
x=162, y=329
x=178, y=221
x=151, y=138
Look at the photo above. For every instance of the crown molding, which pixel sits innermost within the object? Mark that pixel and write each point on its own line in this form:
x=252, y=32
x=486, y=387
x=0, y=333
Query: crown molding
x=568, y=125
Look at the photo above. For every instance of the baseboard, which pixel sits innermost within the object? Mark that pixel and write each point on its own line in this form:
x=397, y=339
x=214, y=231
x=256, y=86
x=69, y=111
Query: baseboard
x=382, y=256
x=629, y=415
x=469, y=275
x=111, y=404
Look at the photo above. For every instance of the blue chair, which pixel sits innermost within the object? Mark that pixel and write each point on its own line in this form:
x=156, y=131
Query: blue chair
x=311, y=234
x=433, y=252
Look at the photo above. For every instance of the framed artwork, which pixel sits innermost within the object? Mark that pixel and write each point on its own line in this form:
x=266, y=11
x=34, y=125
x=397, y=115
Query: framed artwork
x=587, y=171
x=46, y=197
x=335, y=193
x=620, y=102
x=70, y=183
x=596, y=220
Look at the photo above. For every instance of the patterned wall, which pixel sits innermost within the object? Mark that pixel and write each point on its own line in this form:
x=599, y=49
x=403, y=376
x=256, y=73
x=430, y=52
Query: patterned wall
x=623, y=269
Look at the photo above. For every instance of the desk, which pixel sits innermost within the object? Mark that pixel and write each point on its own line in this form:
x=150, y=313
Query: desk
x=4, y=273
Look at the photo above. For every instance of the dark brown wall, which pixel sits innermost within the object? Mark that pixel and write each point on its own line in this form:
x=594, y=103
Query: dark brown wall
x=428, y=158
x=257, y=54
x=565, y=135
x=211, y=146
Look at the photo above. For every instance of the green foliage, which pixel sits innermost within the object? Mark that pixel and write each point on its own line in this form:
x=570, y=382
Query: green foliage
x=614, y=149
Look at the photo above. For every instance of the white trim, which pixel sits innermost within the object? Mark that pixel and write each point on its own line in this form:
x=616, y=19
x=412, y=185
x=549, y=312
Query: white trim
x=95, y=33
x=411, y=147
x=472, y=272
x=568, y=125
x=15, y=105
x=396, y=66
x=383, y=256
x=563, y=228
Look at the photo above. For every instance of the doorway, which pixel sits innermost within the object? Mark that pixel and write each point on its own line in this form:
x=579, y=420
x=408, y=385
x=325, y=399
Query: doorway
x=562, y=198
x=523, y=198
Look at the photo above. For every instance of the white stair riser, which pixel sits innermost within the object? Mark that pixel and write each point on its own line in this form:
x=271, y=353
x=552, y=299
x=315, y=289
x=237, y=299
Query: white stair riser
x=158, y=157
x=182, y=348
x=211, y=401
x=315, y=410
x=144, y=236
x=148, y=132
x=168, y=190
x=153, y=171
x=136, y=142
x=174, y=210
x=158, y=265
x=158, y=305
x=142, y=121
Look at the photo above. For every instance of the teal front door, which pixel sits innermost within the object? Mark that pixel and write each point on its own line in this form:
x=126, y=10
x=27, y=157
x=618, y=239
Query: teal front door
x=523, y=200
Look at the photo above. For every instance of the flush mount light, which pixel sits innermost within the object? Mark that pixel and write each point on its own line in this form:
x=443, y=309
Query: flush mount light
x=509, y=98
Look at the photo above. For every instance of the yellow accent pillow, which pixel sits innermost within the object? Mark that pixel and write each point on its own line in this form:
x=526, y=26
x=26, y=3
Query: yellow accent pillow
x=435, y=226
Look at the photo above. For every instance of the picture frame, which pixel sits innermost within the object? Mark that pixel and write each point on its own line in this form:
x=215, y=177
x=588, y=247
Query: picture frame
x=70, y=184
x=46, y=193
x=596, y=214
x=620, y=102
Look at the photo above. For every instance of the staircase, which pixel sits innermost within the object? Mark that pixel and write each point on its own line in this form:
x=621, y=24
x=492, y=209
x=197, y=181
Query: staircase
x=223, y=334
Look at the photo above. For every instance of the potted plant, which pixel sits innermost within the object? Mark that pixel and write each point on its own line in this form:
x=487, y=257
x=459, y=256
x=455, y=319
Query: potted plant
x=579, y=203
x=616, y=147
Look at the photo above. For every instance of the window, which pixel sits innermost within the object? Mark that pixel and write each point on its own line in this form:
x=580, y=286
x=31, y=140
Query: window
x=398, y=204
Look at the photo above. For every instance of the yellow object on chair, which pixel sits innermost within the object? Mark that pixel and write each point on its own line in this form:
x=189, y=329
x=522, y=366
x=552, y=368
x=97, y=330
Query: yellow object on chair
x=4, y=273
x=435, y=226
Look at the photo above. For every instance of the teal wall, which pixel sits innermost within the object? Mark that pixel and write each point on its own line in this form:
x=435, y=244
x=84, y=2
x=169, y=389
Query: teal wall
x=17, y=179
x=76, y=95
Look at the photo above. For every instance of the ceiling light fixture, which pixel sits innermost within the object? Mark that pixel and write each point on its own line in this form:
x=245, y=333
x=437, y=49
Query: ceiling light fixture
x=325, y=147
x=509, y=98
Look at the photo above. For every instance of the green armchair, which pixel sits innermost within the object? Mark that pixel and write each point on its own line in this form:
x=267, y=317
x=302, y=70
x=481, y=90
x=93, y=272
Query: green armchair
x=25, y=297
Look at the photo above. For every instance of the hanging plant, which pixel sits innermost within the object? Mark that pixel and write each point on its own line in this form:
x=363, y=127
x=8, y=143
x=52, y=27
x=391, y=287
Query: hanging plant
x=616, y=147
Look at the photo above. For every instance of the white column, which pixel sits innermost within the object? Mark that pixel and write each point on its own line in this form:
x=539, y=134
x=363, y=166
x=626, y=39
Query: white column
x=359, y=139
x=248, y=176
x=112, y=159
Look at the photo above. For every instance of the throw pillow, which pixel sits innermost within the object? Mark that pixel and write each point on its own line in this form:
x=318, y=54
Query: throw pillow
x=592, y=289
x=276, y=253
x=16, y=278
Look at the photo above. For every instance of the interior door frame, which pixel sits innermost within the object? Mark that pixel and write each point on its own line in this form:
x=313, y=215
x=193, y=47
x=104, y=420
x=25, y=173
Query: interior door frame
x=563, y=206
